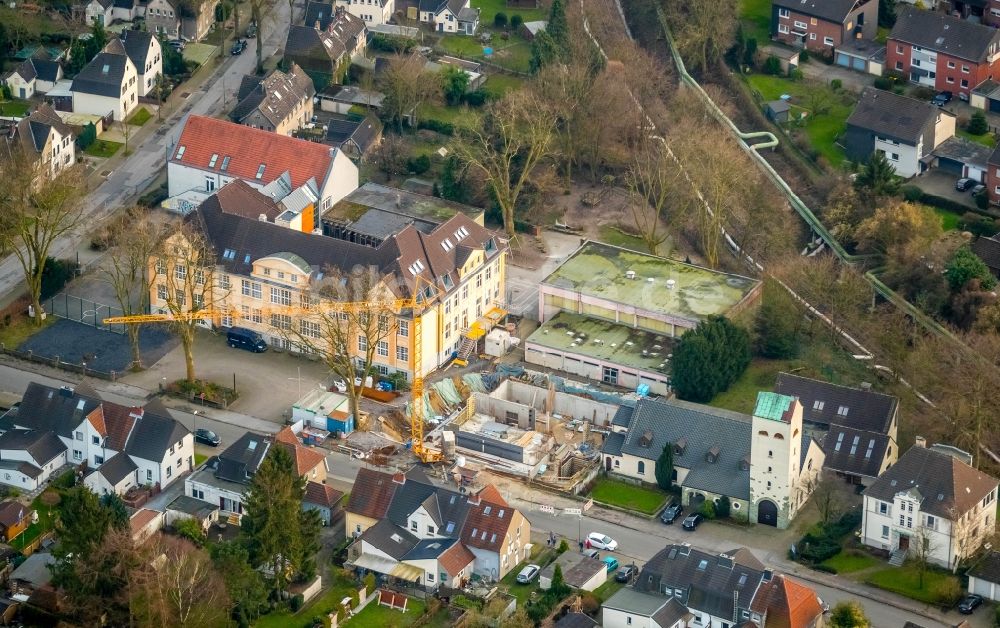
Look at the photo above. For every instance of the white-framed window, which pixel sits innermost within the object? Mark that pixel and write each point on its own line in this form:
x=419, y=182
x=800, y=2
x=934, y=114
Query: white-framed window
x=149, y=475
x=885, y=532
x=402, y=353
x=309, y=329
x=280, y=296
x=281, y=321
x=883, y=508
x=403, y=328
x=179, y=297
x=828, y=41
x=382, y=348
x=199, y=277
x=951, y=65
x=800, y=25
x=964, y=83
x=251, y=289
x=161, y=292
x=224, y=282
x=362, y=342
x=161, y=267
x=198, y=493
x=812, y=36
x=227, y=320
x=180, y=271
x=931, y=522
x=965, y=69
x=77, y=454
x=899, y=49
x=198, y=301
x=899, y=65
x=949, y=80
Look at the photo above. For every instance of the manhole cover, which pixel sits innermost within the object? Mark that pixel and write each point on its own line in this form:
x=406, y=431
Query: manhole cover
x=185, y=94
x=106, y=174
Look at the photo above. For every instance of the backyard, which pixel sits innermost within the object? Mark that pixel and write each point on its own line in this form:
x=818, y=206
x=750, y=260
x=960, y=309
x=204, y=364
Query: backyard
x=43, y=525
x=325, y=603
x=489, y=9
x=514, y=53
x=15, y=108
x=819, y=110
x=628, y=496
x=756, y=17
x=103, y=148
x=850, y=561
x=939, y=586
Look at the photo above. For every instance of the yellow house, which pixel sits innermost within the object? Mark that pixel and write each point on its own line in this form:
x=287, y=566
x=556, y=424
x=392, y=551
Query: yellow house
x=270, y=276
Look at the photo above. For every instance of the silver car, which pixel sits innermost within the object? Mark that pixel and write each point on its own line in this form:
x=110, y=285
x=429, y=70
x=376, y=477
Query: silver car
x=529, y=573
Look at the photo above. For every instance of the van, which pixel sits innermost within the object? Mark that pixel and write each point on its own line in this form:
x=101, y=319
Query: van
x=241, y=338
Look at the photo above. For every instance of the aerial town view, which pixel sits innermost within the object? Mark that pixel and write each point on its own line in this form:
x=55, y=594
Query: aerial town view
x=500, y=313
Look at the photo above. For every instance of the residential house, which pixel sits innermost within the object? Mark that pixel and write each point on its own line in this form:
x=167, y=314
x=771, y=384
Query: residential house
x=462, y=263
x=95, y=431
x=325, y=53
x=295, y=209
x=210, y=153
x=856, y=426
x=987, y=248
x=943, y=52
x=579, y=572
x=117, y=475
x=163, y=19
x=449, y=16
x=972, y=10
x=732, y=588
x=399, y=521
x=310, y=462
x=933, y=496
x=128, y=10
x=28, y=458
x=323, y=499
x=624, y=310
x=15, y=518
x=378, y=13
x=903, y=129
x=187, y=507
x=279, y=102
x=355, y=137
x=574, y=619
x=48, y=70
x=144, y=50
x=765, y=464
x=31, y=575
x=44, y=137
x=984, y=576
x=100, y=12
x=993, y=180
x=22, y=80
x=823, y=25
x=629, y=608
x=108, y=85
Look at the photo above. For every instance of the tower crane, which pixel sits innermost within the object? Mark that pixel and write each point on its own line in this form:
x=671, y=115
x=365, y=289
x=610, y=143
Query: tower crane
x=331, y=307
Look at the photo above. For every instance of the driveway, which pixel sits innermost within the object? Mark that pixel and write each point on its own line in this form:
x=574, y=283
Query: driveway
x=942, y=184
x=522, y=281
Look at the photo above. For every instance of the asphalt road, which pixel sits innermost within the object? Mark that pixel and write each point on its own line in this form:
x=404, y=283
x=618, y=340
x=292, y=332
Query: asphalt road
x=149, y=156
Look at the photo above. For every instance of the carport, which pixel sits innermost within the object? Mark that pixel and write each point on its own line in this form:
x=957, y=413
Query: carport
x=986, y=96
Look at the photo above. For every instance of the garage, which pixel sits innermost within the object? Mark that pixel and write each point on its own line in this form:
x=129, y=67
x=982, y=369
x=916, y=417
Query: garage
x=956, y=168
x=843, y=59
x=962, y=158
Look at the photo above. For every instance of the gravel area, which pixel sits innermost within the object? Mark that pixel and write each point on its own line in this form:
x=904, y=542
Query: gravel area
x=105, y=351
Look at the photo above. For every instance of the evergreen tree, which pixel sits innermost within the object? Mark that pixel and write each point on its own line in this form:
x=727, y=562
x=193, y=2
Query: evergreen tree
x=452, y=182
x=280, y=537
x=558, y=27
x=709, y=358
x=886, y=13
x=543, y=51
x=964, y=266
x=244, y=583
x=978, y=124
x=878, y=176
x=665, y=467
x=777, y=326
x=723, y=508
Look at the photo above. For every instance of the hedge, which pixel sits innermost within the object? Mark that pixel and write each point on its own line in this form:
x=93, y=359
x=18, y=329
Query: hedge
x=915, y=195
x=445, y=128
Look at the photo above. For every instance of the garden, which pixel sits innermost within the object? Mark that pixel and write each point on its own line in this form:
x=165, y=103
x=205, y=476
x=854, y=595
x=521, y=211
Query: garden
x=103, y=148
x=628, y=496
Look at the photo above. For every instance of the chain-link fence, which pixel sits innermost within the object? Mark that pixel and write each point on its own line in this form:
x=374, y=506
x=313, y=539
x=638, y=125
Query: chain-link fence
x=85, y=311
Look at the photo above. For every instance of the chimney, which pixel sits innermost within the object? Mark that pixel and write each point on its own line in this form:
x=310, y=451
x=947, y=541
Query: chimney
x=262, y=217
x=316, y=25
x=135, y=413
x=920, y=441
x=399, y=478
x=866, y=386
x=474, y=500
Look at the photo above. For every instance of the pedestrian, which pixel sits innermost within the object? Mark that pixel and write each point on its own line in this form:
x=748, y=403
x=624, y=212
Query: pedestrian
x=581, y=546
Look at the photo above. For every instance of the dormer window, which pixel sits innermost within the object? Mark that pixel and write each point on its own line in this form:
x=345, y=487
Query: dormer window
x=713, y=454
x=680, y=446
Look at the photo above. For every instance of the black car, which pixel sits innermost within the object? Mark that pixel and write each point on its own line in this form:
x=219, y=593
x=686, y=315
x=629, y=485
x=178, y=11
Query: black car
x=238, y=47
x=671, y=512
x=970, y=603
x=965, y=183
x=692, y=522
x=942, y=99
x=207, y=437
x=625, y=574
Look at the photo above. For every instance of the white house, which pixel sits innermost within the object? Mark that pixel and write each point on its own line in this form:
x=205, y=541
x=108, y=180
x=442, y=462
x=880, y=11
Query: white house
x=225, y=480
x=629, y=608
x=43, y=135
x=159, y=448
x=100, y=11
x=29, y=457
x=108, y=85
x=931, y=496
x=145, y=52
x=21, y=80
x=374, y=14
x=210, y=153
x=449, y=16
x=127, y=10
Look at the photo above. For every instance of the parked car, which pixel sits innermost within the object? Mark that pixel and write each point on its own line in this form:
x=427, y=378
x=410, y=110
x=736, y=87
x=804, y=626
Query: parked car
x=970, y=603
x=979, y=188
x=671, y=512
x=207, y=437
x=528, y=574
x=238, y=47
x=242, y=338
x=965, y=183
x=177, y=44
x=611, y=563
x=625, y=574
x=251, y=31
x=592, y=553
x=942, y=98
x=692, y=522
x=340, y=385
x=601, y=541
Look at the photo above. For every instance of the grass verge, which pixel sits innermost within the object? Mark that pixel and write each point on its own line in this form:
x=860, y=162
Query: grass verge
x=16, y=108
x=103, y=148
x=20, y=329
x=140, y=117
x=938, y=585
x=851, y=561
x=624, y=495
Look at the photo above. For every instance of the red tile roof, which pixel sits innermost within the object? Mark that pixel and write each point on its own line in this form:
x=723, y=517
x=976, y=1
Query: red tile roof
x=487, y=524
x=456, y=558
x=247, y=149
x=96, y=419
x=787, y=603
x=322, y=494
x=119, y=422
x=372, y=494
x=491, y=494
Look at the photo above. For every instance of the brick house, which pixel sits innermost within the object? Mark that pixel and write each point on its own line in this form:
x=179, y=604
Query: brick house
x=984, y=11
x=943, y=52
x=822, y=25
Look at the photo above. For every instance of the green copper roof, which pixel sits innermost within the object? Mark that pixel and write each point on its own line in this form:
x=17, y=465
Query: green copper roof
x=772, y=405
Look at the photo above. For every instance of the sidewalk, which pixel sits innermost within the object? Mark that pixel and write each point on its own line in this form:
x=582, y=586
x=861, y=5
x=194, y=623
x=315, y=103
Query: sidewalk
x=725, y=538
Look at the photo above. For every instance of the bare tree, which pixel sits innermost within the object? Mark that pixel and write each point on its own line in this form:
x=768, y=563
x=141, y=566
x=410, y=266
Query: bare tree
x=186, y=283
x=348, y=339
x=36, y=209
x=260, y=11
x=827, y=494
x=516, y=135
x=179, y=587
x=653, y=179
x=407, y=85
x=702, y=30
x=135, y=237
x=126, y=129
x=921, y=552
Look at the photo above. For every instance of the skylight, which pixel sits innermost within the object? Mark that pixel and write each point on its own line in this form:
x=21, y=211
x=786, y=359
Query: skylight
x=180, y=151
x=703, y=565
x=225, y=163
x=229, y=254
x=260, y=171
x=215, y=158
x=252, y=446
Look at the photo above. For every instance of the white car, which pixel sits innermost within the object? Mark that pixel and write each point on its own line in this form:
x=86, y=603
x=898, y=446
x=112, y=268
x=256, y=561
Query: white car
x=602, y=542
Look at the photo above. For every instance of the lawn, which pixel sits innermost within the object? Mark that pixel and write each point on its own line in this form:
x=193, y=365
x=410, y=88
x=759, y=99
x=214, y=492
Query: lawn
x=462, y=116
x=140, y=117
x=326, y=602
x=819, y=358
x=848, y=562
x=756, y=16
x=986, y=139
x=520, y=591
x=489, y=9
x=200, y=53
x=16, y=108
x=103, y=148
x=949, y=219
x=615, y=236
x=20, y=329
x=905, y=581
x=822, y=129
x=630, y=496
x=199, y=458
x=499, y=84
x=609, y=588
x=36, y=529
x=375, y=616
x=515, y=53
